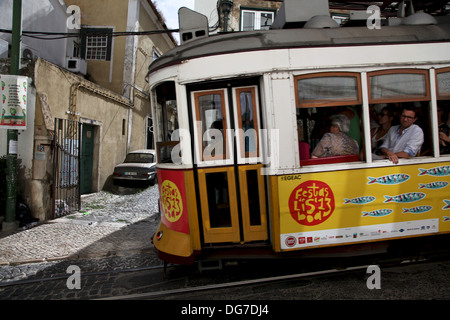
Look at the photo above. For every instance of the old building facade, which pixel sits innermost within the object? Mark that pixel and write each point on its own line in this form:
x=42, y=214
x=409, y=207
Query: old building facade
x=99, y=85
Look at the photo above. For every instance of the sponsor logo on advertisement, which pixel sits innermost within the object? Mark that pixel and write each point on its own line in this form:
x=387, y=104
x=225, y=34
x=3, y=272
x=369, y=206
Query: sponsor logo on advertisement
x=301, y=240
x=311, y=203
x=290, y=241
x=171, y=201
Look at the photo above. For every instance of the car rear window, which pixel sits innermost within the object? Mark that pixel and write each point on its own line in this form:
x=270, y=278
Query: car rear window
x=139, y=158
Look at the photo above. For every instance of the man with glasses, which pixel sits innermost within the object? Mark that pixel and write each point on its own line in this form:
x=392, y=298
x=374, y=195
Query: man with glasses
x=404, y=140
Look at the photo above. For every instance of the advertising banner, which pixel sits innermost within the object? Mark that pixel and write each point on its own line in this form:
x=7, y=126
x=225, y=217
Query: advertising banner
x=172, y=192
x=319, y=209
x=13, y=98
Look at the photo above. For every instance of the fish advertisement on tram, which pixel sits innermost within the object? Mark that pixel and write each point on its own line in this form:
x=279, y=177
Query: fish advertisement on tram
x=324, y=209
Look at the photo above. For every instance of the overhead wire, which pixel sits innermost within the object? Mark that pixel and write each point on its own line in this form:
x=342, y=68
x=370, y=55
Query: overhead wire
x=63, y=35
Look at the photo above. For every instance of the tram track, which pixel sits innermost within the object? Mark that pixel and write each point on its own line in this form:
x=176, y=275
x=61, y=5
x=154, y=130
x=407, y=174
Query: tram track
x=259, y=281
x=9, y=283
x=161, y=294
x=245, y=278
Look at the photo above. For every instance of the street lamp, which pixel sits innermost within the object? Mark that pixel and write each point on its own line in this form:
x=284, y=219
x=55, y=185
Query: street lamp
x=225, y=7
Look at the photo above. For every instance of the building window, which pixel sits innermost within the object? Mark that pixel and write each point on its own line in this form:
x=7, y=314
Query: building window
x=156, y=53
x=76, y=50
x=256, y=20
x=97, y=44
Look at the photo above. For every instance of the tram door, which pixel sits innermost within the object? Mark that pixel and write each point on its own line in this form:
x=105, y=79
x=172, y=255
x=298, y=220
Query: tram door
x=228, y=155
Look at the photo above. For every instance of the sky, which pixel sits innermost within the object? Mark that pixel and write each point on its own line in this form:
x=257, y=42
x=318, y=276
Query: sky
x=169, y=9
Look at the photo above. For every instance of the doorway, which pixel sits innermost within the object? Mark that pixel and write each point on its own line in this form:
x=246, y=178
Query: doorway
x=227, y=147
x=87, y=158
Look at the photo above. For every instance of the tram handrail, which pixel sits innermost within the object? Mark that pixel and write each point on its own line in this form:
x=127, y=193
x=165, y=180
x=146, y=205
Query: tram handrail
x=328, y=160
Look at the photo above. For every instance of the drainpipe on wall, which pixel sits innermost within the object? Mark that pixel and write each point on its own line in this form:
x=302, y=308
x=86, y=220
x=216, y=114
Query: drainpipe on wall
x=130, y=119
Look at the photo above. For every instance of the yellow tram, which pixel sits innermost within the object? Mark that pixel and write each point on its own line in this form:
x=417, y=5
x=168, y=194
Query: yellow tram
x=230, y=111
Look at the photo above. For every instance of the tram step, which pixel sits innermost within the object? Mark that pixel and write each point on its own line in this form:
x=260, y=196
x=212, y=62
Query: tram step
x=209, y=265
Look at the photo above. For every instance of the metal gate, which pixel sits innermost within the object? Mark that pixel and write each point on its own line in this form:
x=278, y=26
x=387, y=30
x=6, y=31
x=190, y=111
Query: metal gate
x=66, y=167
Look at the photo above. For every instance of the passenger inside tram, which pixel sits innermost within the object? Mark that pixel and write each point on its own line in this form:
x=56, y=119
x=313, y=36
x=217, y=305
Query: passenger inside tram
x=337, y=142
x=355, y=123
x=380, y=129
x=406, y=139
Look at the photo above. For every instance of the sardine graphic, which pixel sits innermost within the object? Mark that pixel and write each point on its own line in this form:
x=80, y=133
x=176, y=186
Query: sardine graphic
x=446, y=219
x=447, y=205
x=377, y=213
x=438, y=171
x=389, y=179
x=434, y=185
x=419, y=209
x=405, y=197
x=360, y=200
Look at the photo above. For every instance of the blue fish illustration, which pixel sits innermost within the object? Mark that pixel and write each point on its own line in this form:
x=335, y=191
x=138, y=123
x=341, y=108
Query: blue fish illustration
x=434, y=185
x=438, y=171
x=360, y=200
x=419, y=209
x=447, y=205
x=446, y=218
x=377, y=213
x=405, y=197
x=389, y=179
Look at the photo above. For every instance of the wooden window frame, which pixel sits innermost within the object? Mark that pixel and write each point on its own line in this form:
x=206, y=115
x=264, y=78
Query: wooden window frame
x=424, y=72
x=439, y=96
x=200, y=132
x=249, y=154
x=328, y=103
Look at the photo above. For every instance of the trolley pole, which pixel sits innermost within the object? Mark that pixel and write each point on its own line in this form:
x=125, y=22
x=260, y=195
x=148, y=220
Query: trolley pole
x=11, y=161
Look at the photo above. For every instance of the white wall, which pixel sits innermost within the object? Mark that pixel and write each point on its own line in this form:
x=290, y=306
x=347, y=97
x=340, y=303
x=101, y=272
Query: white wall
x=39, y=15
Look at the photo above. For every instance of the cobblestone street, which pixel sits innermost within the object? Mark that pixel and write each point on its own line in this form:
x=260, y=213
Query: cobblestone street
x=111, y=231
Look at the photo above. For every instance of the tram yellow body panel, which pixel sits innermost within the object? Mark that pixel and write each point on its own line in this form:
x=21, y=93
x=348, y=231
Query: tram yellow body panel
x=351, y=206
x=173, y=243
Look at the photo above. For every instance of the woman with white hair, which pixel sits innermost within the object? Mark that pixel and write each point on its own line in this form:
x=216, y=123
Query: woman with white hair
x=336, y=142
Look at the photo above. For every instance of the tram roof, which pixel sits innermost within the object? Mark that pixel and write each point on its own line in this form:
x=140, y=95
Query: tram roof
x=302, y=38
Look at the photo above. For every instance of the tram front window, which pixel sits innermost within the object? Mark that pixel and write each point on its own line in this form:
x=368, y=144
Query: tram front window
x=166, y=114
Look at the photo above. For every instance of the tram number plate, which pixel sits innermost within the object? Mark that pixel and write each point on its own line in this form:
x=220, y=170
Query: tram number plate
x=131, y=173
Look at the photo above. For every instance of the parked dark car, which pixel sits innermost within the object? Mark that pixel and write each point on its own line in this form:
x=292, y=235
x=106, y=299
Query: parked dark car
x=139, y=165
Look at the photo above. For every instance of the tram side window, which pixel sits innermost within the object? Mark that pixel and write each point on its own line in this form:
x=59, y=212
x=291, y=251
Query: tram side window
x=247, y=122
x=212, y=124
x=329, y=117
x=443, y=108
x=400, y=107
x=166, y=121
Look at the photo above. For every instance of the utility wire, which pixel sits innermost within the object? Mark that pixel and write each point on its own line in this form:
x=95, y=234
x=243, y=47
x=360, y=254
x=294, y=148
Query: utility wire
x=63, y=35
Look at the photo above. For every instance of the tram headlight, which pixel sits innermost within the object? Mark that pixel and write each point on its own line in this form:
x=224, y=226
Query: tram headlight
x=159, y=235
